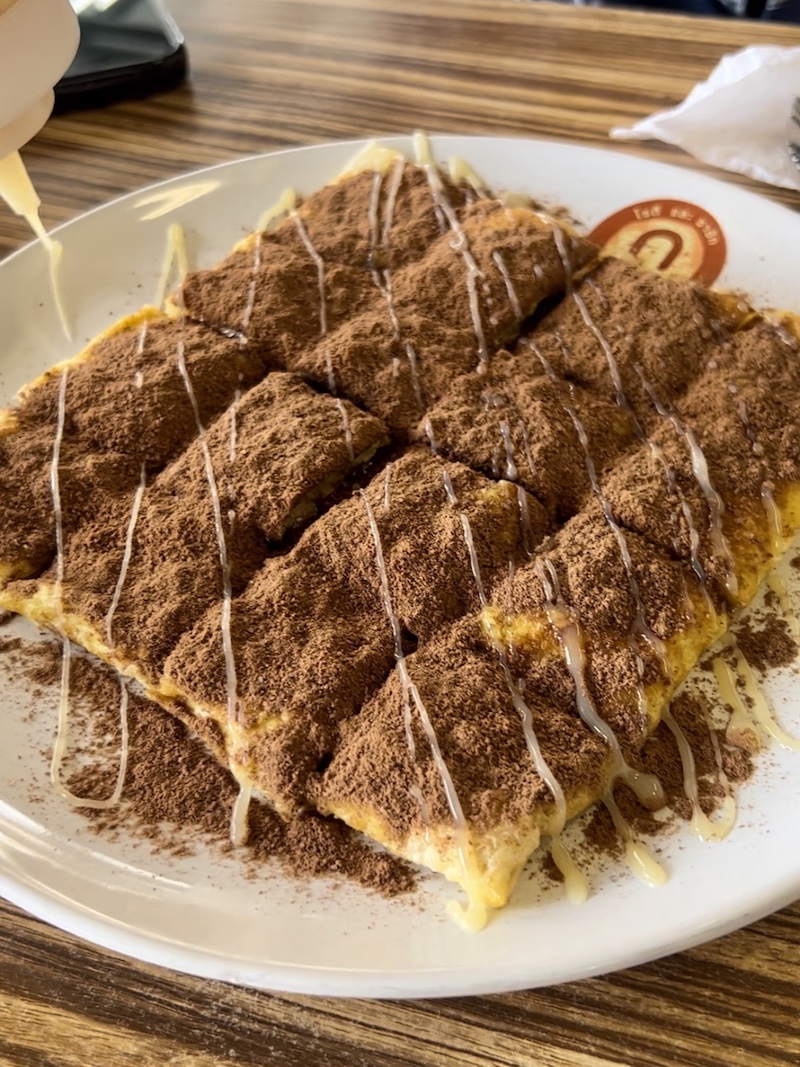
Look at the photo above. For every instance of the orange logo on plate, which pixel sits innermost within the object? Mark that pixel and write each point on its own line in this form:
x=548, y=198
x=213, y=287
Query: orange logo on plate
x=673, y=237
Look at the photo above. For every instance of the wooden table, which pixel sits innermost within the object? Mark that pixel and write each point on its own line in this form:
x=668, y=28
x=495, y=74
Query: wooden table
x=271, y=73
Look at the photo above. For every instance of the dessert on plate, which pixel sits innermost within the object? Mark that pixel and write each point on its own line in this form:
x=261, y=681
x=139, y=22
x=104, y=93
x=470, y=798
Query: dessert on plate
x=423, y=508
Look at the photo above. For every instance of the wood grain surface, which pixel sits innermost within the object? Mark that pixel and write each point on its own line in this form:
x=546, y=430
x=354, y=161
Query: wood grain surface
x=269, y=74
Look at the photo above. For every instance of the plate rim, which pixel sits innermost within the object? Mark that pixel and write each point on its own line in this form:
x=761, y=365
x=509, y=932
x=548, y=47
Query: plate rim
x=429, y=981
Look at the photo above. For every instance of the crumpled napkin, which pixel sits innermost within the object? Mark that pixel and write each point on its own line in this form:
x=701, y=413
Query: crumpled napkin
x=739, y=118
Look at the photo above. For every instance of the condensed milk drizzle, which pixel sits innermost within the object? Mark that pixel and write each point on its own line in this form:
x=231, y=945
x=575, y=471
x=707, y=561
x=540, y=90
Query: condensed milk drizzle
x=701, y=825
x=382, y=277
x=252, y=286
x=320, y=265
x=175, y=253
x=372, y=220
x=234, y=709
x=126, y=557
x=389, y=205
x=639, y=624
x=60, y=745
x=234, y=712
x=459, y=243
x=233, y=438
x=513, y=299
x=475, y=913
x=526, y=716
x=756, y=706
x=778, y=542
x=716, y=506
x=645, y=786
x=699, y=466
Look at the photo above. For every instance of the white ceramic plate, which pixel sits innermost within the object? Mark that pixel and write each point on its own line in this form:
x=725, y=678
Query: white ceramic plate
x=199, y=915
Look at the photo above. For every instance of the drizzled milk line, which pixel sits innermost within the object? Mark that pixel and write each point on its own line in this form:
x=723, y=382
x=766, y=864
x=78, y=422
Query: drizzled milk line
x=60, y=744
x=382, y=277
x=702, y=826
x=126, y=557
x=283, y=206
x=323, y=328
x=340, y=407
x=389, y=203
x=699, y=466
x=234, y=709
x=753, y=714
x=577, y=887
x=639, y=624
x=372, y=219
x=216, y=504
x=459, y=243
x=525, y=713
x=233, y=438
x=774, y=521
x=175, y=253
x=320, y=265
x=513, y=299
x=716, y=506
x=252, y=285
x=61, y=740
x=474, y=910
x=646, y=787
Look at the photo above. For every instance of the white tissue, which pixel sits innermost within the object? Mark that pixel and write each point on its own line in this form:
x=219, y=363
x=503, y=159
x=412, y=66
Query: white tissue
x=739, y=119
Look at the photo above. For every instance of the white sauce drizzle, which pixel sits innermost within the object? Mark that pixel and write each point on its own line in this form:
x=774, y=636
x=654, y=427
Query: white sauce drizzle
x=126, y=557
x=320, y=265
x=348, y=432
x=639, y=624
x=526, y=716
x=233, y=440
x=646, y=786
x=60, y=744
x=576, y=884
x=411, y=354
x=175, y=253
x=372, y=218
x=389, y=204
x=511, y=467
x=759, y=708
x=234, y=709
x=255, y=267
x=701, y=825
x=699, y=465
x=459, y=244
x=716, y=506
x=513, y=299
x=428, y=428
x=475, y=912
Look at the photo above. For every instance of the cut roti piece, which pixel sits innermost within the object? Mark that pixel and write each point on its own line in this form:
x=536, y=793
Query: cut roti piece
x=124, y=407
